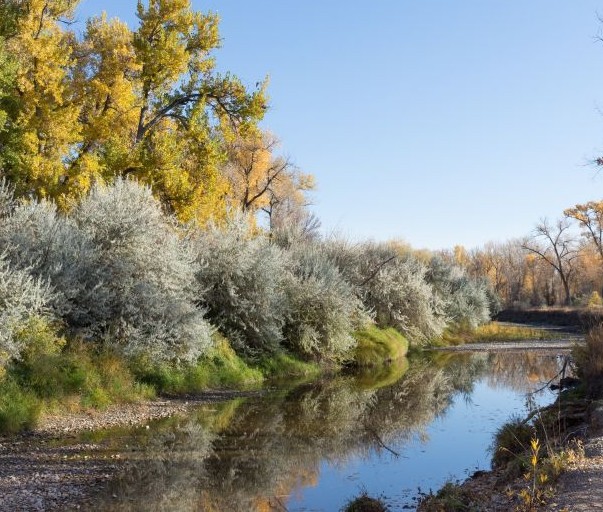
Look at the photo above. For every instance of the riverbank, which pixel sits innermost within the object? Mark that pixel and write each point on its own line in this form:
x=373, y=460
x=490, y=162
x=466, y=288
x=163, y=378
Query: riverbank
x=47, y=468
x=579, y=487
x=576, y=480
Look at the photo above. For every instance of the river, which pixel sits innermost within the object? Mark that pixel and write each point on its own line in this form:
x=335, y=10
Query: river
x=313, y=446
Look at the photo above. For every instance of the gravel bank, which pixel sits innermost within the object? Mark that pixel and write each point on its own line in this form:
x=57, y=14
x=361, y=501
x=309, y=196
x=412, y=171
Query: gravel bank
x=501, y=346
x=38, y=472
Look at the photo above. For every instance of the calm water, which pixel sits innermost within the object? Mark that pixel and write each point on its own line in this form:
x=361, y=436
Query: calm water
x=315, y=446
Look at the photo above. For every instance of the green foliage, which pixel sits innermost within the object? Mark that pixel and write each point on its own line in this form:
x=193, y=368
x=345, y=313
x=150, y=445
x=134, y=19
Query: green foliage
x=376, y=346
x=282, y=365
x=221, y=367
x=19, y=408
x=96, y=379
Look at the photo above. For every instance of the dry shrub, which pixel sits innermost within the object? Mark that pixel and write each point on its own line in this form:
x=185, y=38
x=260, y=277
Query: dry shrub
x=589, y=359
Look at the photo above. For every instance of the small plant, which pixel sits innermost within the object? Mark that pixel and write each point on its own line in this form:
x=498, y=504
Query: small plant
x=531, y=496
x=595, y=300
x=510, y=443
x=365, y=503
x=452, y=497
x=589, y=360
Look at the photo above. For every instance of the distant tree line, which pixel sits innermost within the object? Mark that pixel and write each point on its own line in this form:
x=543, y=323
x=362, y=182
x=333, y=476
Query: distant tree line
x=559, y=263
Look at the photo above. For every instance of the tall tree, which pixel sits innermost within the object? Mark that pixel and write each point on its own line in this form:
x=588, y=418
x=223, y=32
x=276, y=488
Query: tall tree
x=146, y=103
x=260, y=179
x=555, y=245
x=44, y=120
x=590, y=219
x=183, y=99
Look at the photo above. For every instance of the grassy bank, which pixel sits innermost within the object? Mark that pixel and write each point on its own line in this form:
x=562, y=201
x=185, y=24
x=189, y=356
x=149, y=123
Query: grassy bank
x=56, y=376
x=495, y=332
x=376, y=347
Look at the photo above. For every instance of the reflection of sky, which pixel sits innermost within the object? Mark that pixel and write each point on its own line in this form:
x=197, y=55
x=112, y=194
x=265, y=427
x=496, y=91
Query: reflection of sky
x=457, y=444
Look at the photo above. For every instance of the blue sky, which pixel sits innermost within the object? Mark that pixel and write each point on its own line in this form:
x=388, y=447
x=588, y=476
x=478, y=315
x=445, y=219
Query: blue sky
x=436, y=122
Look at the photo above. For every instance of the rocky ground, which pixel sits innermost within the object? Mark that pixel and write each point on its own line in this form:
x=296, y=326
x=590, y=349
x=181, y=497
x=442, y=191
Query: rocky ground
x=580, y=487
x=39, y=473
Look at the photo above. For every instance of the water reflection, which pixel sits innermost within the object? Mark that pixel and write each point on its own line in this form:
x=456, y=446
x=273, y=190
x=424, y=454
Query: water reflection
x=254, y=454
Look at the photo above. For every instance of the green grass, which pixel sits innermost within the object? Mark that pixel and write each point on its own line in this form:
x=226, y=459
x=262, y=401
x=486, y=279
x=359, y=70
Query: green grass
x=495, y=331
x=19, y=408
x=220, y=368
x=53, y=376
x=283, y=365
x=378, y=346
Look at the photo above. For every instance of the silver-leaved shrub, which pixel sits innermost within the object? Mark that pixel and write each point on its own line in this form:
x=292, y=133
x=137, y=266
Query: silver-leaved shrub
x=242, y=276
x=392, y=286
x=21, y=298
x=119, y=271
x=466, y=300
x=323, y=307
x=148, y=291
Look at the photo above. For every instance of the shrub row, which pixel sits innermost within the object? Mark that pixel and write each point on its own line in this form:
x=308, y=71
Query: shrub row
x=117, y=272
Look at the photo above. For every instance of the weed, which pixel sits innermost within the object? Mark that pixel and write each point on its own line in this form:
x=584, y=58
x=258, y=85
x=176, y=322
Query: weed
x=365, y=503
x=510, y=443
x=589, y=360
x=19, y=408
x=452, y=497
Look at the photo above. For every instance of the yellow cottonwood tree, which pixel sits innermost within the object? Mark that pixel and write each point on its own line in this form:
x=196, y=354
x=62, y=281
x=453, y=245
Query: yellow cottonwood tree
x=590, y=219
x=146, y=103
x=44, y=124
x=184, y=100
x=107, y=92
x=260, y=179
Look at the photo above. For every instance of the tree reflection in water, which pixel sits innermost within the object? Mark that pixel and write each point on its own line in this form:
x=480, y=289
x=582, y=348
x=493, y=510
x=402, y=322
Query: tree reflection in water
x=252, y=454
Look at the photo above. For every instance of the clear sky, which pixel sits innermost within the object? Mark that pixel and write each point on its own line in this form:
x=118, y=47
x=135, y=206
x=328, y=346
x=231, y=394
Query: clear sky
x=434, y=121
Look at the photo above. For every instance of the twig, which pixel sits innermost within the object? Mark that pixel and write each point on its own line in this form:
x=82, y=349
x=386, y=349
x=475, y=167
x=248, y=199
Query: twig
x=382, y=444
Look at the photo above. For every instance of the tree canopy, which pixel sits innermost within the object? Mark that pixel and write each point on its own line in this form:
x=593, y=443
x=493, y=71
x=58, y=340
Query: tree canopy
x=144, y=103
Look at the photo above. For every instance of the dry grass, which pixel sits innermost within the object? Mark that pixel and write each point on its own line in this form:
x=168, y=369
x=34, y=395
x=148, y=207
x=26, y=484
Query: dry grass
x=497, y=331
x=589, y=359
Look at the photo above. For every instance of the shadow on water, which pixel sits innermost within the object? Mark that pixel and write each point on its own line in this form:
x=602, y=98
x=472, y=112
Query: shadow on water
x=263, y=453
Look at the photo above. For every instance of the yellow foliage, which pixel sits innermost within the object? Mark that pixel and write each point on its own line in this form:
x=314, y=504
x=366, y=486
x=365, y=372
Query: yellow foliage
x=145, y=104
